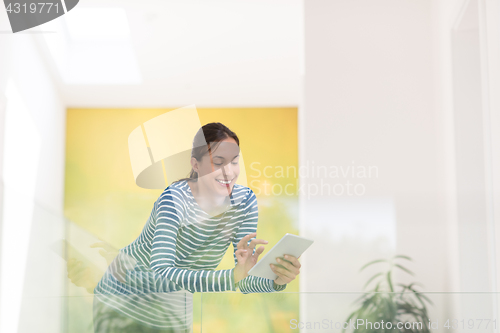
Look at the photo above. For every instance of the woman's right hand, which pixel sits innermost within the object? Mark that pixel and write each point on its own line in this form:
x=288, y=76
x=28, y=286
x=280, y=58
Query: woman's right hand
x=246, y=258
x=108, y=251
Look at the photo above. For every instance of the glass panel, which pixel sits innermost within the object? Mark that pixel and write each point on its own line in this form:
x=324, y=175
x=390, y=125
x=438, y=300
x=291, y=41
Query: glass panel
x=332, y=312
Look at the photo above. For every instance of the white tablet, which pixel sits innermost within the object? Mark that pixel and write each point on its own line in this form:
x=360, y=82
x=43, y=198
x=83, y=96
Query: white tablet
x=289, y=244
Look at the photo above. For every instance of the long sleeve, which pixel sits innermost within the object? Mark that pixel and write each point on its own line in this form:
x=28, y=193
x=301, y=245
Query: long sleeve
x=252, y=284
x=169, y=214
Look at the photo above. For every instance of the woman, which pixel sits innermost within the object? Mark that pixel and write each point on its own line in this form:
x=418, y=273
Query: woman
x=148, y=287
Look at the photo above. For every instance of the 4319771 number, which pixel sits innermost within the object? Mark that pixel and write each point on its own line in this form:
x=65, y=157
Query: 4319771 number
x=32, y=8
x=470, y=324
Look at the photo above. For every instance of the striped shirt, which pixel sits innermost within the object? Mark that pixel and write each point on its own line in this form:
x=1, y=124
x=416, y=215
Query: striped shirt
x=176, y=254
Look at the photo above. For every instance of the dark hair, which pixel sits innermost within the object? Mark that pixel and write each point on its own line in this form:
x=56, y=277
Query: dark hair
x=208, y=133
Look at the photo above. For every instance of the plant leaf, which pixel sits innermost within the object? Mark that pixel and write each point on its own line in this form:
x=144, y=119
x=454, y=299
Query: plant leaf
x=420, y=295
x=371, y=279
x=352, y=315
x=360, y=298
x=421, y=301
x=404, y=269
x=415, y=284
x=372, y=262
x=389, y=281
x=426, y=298
x=403, y=257
x=391, y=306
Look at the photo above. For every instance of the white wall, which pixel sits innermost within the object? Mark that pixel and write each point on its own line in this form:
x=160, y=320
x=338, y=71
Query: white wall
x=467, y=41
x=32, y=276
x=369, y=98
x=409, y=86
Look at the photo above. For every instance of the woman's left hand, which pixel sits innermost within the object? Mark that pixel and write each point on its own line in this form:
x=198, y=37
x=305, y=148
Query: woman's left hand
x=287, y=273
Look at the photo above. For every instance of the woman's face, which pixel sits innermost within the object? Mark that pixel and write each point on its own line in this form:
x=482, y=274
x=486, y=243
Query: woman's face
x=218, y=170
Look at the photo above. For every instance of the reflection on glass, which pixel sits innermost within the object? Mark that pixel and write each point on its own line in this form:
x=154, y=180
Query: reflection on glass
x=149, y=284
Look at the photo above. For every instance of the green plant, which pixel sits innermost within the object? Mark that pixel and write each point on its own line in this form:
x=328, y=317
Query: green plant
x=384, y=303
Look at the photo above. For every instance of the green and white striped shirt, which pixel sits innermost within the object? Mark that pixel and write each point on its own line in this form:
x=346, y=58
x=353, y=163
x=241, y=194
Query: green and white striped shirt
x=177, y=251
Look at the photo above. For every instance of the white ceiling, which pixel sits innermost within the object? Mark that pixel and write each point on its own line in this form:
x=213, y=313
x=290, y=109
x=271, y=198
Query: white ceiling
x=208, y=53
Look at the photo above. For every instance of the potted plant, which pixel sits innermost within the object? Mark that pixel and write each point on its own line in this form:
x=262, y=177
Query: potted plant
x=383, y=303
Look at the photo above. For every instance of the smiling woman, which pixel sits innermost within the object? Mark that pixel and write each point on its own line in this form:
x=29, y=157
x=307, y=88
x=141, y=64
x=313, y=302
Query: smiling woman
x=151, y=281
x=215, y=167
